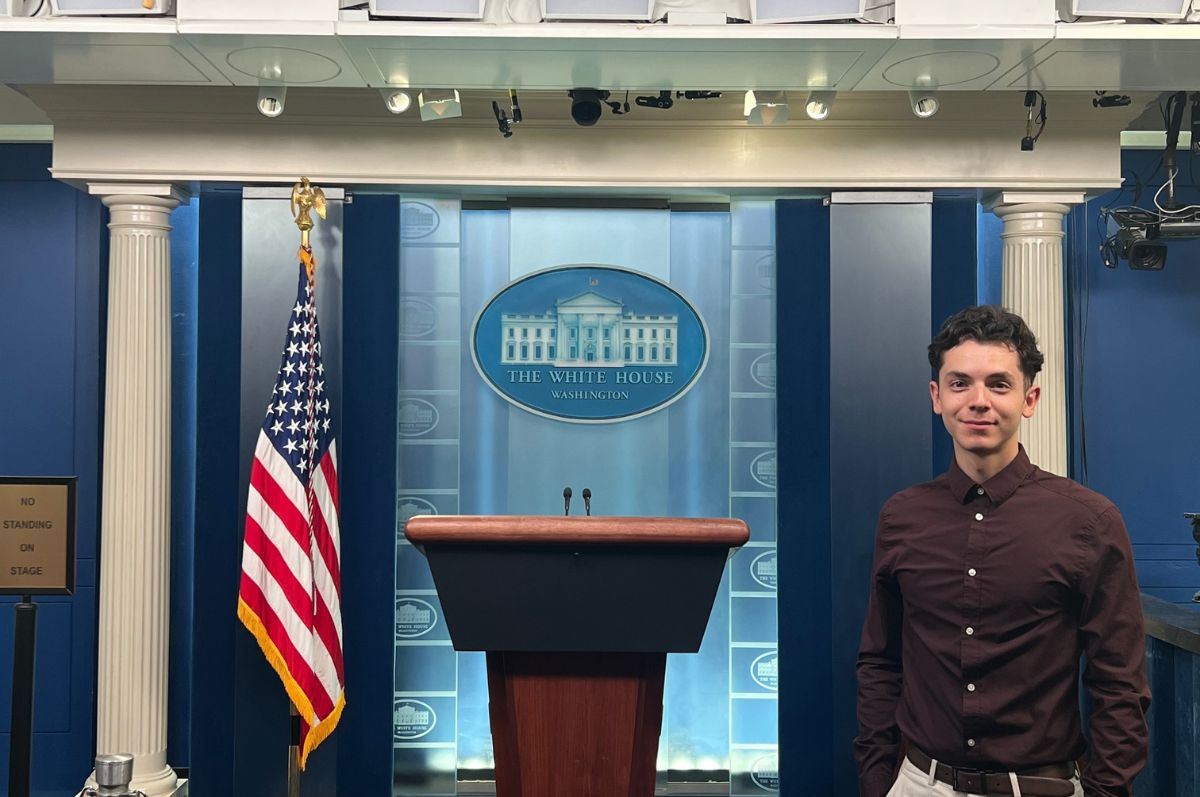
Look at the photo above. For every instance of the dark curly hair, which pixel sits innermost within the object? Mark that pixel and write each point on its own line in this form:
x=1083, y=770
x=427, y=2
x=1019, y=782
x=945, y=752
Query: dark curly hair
x=988, y=323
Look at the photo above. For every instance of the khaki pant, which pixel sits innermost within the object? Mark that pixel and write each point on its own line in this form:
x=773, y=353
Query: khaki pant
x=912, y=782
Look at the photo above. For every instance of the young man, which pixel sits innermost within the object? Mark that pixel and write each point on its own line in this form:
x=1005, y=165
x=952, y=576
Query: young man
x=988, y=584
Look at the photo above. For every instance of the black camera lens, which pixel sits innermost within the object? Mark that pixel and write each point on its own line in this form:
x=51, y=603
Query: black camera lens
x=585, y=105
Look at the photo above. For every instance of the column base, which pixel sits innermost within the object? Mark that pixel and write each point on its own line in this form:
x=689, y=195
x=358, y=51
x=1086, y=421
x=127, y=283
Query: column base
x=157, y=784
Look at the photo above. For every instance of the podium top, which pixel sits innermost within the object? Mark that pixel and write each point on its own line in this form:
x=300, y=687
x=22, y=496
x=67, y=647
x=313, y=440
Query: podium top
x=556, y=530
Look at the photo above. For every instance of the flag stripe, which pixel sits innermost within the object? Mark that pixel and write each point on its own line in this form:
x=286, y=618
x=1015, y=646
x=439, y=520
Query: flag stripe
x=312, y=568
x=275, y=568
x=282, y=537
x=325, y=487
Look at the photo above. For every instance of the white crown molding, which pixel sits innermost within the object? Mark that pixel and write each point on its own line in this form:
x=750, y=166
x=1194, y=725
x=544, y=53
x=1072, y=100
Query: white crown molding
x=344, y=137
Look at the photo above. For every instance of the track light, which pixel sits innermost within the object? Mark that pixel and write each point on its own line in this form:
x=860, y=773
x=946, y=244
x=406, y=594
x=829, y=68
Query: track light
x=925, y=103
x=766, y=107
x=271, y=99
x=439, y=104
x=397, y=101
x=819, y=104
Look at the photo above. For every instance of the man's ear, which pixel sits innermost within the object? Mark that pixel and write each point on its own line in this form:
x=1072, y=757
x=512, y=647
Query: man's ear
x=935, y=397
x=1031, y=399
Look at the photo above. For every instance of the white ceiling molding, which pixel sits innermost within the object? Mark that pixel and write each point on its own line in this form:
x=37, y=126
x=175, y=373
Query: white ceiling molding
x=194, y=136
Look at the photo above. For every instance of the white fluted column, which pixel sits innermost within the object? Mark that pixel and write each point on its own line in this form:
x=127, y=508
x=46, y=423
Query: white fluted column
x=135, y=522
x=1034, y=283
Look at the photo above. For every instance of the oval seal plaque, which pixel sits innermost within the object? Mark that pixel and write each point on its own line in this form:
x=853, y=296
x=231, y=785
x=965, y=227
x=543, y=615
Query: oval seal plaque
x=415, y=417
x=418, y=220
x=414, y=618
x=763, y=469
x=411, y=719
x=765, y=773
x=589, y=344
x=765, y=670
x=764, y=569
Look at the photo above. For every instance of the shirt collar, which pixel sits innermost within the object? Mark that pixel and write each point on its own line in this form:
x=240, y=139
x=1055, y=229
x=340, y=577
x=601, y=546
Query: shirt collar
x=999, y=487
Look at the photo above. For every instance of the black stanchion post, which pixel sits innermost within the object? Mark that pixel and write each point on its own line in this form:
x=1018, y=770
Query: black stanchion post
x=20, y=746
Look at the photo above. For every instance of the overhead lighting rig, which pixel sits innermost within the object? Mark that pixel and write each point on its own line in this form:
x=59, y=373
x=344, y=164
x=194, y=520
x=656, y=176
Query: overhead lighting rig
x=1141, y=234
x=1105, y=100
x=271, y=100
x=1033, y=117
x=505, y=121
x=819, y=104
x=925, y=102
x=396, y=100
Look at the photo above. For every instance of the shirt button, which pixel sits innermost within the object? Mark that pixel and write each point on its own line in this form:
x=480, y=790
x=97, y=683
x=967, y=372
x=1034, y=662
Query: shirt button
x=979, y=516
x=971, y=572
x=970, y=742
x=970, y=687
x=979, y=490
x=970, y=630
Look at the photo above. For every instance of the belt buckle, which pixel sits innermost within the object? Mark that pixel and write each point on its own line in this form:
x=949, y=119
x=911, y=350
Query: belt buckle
x=970, y=781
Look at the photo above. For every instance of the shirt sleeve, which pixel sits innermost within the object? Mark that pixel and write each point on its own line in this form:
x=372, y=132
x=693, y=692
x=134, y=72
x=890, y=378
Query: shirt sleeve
x=877, y=746
x=1110, y=626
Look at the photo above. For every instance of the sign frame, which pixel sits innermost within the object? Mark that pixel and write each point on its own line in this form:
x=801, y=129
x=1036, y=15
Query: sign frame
x=68, y=587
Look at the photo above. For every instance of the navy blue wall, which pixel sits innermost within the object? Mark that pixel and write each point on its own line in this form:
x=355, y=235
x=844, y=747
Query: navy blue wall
x=820, y=616
x=1136, y=374
x=50, y=357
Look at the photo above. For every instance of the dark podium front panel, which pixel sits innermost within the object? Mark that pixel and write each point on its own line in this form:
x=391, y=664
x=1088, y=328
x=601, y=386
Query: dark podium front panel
x=615, y=598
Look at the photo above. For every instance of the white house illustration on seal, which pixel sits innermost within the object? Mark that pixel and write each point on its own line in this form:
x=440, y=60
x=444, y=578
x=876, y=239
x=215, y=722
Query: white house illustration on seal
x=589, y=330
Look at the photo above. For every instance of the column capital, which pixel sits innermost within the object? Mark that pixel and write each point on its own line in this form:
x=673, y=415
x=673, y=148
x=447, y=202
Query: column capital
x=1006, y=202
x=168, y=194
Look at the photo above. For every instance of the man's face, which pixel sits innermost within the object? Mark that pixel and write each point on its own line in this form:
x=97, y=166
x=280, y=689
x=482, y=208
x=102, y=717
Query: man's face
x=981, y=395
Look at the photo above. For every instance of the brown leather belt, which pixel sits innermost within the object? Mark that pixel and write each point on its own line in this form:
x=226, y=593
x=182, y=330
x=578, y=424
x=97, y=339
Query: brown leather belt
x=1052, y=780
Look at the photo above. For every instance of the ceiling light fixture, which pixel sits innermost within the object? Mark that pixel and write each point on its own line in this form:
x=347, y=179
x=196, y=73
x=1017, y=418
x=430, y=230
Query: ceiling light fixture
x=819, y=104
x=396, y=100
x=766, y=107
x=439, y=104
x=925, y=102
x=271, y=100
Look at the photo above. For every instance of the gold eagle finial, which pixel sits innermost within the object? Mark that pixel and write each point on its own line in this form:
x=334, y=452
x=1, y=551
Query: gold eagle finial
x=306, y=197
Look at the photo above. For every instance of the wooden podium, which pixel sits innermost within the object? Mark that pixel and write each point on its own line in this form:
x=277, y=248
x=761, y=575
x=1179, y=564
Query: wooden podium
x=577, y=615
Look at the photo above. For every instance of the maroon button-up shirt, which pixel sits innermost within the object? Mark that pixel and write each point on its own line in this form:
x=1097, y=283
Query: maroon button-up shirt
x=983, y=597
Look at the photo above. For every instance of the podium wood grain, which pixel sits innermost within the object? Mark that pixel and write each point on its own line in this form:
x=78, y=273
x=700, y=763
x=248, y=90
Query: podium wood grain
x=579, y=724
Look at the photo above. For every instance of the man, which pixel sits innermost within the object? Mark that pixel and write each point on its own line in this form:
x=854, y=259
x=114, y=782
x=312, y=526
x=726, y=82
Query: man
x=988, y=584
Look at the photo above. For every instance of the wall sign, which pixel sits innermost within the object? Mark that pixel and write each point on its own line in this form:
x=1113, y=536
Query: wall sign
x=590, y=344
x=37, y=535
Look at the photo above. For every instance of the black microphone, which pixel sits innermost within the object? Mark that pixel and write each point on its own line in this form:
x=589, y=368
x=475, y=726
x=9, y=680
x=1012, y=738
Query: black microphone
x=587, y=501
x=566, y=500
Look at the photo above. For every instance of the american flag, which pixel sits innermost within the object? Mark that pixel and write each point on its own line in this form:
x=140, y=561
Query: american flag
x=290, y=595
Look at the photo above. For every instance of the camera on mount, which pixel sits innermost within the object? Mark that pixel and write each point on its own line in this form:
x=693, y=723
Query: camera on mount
x=1105, y=100
x=1142, y=254
x=585, y=105
x=662, y=101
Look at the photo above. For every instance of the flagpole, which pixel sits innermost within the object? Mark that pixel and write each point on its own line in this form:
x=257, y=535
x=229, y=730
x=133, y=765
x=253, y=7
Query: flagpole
x=293, y=760
x=305, y=198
